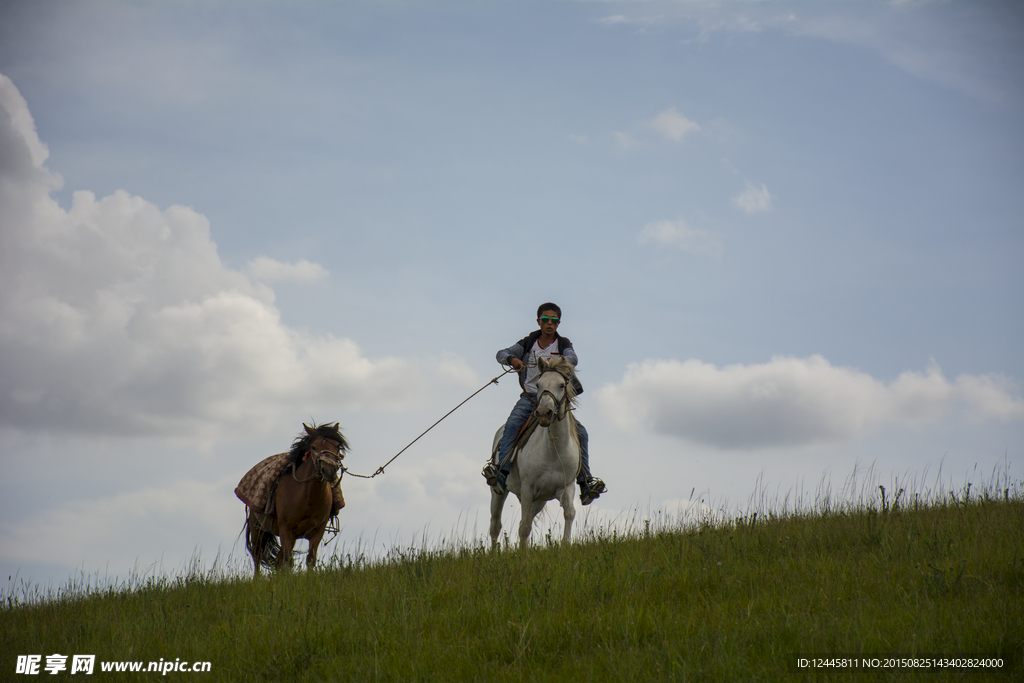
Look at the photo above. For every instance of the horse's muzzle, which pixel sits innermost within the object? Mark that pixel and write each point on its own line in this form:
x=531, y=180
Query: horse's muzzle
x=328, y=467
x=331, y=475
x=544, y=415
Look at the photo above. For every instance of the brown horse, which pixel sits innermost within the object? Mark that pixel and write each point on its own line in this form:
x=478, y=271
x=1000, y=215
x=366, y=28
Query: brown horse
x=302, y=499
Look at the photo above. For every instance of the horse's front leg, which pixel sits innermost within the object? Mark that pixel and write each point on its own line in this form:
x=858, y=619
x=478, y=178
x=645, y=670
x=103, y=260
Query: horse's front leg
x=528, y=512
x=314, y=545
x=284, y=559
x=568, y=511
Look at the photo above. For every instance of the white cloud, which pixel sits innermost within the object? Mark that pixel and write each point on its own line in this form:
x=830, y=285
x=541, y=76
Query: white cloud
x=668, y=124
x=680, y=235
x=792, y=402
x=183, y=510
x=625, y=140
x=268, y=270
x=933, y=41
x=640, y=22
x=754, y=199
x=19, y=128
x=119, y=317
x=952, y=44
x=673, y=125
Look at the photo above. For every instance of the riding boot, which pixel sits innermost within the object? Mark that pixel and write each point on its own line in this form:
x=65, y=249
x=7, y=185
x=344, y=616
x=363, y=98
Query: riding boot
x=591, y=489
x=584, y=474
x=495, y=477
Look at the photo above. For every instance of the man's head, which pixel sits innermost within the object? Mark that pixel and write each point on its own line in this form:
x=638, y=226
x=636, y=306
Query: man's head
x=551, y=308
x=548, y=317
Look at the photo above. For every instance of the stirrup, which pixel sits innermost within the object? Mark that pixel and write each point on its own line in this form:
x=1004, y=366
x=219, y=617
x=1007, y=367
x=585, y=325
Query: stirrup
x=591, y=490
x=490, y=473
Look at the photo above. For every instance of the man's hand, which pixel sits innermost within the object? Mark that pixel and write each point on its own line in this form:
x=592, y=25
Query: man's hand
x=515, y=363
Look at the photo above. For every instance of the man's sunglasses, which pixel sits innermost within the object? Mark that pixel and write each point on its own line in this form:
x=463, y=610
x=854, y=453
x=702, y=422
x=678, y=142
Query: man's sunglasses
x=548, y=319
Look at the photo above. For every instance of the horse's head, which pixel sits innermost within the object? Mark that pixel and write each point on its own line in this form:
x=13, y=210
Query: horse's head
x=555, y=395
x=326, y=446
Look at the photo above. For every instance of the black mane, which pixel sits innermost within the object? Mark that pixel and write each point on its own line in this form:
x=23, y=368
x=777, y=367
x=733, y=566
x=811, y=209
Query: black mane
x=303, y=441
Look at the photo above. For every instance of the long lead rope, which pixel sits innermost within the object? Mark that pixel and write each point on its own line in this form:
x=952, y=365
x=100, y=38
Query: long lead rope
x=380, y=470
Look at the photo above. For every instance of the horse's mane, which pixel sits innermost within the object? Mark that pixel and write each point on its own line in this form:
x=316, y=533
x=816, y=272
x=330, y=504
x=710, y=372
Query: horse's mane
x=568, y=372
x=302, y=442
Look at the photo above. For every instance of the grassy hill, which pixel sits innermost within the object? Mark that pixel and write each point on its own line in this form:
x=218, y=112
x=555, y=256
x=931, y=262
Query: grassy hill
x=736, y=600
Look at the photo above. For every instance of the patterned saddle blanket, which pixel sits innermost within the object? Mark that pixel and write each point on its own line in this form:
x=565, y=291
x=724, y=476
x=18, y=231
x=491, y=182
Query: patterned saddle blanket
x=254, y=489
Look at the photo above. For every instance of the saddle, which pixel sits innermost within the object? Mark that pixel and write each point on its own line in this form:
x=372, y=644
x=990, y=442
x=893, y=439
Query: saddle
x=521, y=438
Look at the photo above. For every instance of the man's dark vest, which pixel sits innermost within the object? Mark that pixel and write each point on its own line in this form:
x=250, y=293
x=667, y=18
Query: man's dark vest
x=526, y=343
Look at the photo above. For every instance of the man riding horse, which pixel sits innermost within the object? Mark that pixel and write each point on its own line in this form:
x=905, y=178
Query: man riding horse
x=522, y=357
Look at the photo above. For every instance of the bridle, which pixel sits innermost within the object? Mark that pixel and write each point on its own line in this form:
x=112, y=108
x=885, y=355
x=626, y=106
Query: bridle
x=319, y=456
x=561, y=404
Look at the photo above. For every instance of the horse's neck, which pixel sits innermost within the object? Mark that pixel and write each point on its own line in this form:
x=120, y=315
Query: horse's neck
x=307, y=470
x=560, y=433
x=561, y=427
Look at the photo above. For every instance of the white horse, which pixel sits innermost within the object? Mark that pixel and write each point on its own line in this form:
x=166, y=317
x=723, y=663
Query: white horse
x=546, y=465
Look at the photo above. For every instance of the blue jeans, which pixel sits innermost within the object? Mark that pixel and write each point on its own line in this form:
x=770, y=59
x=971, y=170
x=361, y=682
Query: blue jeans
x=518, y=417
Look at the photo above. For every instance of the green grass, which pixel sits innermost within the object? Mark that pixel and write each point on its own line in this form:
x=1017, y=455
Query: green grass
x=710, y=600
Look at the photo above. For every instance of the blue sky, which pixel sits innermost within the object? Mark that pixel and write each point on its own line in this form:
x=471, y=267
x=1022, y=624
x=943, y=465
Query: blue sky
x=786, y=238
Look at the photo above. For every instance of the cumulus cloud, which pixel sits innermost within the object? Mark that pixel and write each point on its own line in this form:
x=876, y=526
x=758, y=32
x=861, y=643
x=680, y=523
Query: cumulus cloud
x=18, y=136
x=970, y=47
x=673, y=125
x=955, y=46
x=44, y=536
x=640, y=22
x=792, y=402
x=268, y=270
x=668, y=124
x=625, y=140
x=119, y=317
x=754, y=199
x=680, y=235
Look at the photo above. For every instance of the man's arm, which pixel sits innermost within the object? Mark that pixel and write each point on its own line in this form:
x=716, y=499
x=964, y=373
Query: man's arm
x=516, y=351
x=568, y=353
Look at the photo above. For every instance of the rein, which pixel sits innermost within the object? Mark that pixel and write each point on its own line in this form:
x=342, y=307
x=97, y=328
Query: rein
x=562, y=409
x=380, y=470
x=561, y=405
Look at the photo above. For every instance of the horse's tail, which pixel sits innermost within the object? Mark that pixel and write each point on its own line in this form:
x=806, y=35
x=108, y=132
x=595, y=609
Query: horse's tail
x=267, y=544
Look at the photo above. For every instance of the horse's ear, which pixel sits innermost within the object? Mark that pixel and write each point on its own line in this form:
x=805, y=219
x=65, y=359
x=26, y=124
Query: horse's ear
x=309, y=430
x=542, y=363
